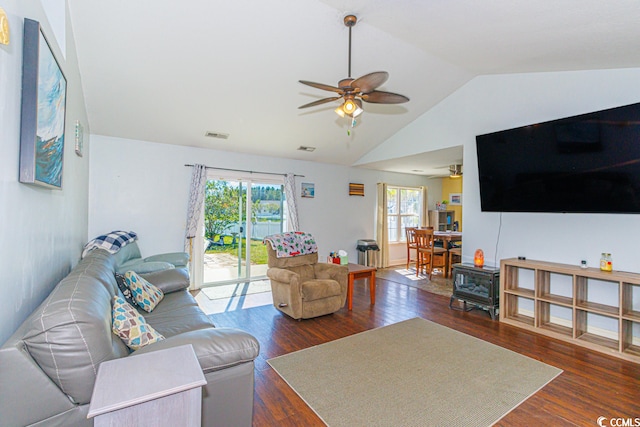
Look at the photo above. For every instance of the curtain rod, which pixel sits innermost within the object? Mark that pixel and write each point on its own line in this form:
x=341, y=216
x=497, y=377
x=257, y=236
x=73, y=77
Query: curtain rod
x=241, y=170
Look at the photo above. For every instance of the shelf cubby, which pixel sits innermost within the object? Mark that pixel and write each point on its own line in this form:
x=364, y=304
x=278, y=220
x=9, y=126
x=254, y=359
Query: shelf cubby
x=631, y=301
x=515, y=311
x=631, y=338
x=555, y=318
x=611, y=289
x=605, y=336
x=555, y=287
x=588, y=307
x=521, y=281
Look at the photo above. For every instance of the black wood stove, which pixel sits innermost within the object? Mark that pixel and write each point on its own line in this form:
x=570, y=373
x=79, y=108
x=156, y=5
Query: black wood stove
x=477, y=286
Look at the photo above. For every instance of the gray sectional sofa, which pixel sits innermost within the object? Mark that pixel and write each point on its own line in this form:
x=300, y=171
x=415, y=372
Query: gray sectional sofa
x=48, y=367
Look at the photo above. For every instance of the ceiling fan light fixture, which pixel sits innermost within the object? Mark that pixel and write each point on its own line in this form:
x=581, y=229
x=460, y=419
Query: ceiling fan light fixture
x=455, y=171
x=351, y=108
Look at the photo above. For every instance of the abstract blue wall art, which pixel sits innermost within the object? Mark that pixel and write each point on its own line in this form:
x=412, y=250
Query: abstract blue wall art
x=44, y=94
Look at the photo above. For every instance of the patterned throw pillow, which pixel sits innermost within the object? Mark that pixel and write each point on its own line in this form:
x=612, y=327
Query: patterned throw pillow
x=144, y=293
x=126, y=292
x=131, y=327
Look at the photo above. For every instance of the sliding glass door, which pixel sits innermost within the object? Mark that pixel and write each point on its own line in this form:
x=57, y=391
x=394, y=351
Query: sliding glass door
x=238, y=213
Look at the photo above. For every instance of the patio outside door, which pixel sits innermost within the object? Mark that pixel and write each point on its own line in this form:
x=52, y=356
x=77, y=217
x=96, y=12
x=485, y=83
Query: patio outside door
x=237, y=215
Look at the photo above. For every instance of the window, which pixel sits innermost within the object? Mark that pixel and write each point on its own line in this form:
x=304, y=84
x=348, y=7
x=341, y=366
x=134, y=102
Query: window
x=404, y=209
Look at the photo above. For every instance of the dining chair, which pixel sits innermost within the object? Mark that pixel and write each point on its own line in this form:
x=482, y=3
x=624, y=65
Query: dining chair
x=455, y=255
x=429, y=256
x=411, y=244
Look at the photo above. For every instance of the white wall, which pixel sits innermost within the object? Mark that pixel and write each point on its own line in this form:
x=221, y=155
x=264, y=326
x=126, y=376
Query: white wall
x=492, y=103
x=142, y=186
x=41, y=231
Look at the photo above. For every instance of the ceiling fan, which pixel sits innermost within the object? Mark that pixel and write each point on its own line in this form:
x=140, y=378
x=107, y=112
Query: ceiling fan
x=354, y=91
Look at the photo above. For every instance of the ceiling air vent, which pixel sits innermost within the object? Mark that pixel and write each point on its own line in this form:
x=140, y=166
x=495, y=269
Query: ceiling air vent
x=219, y=135
x=304, y=148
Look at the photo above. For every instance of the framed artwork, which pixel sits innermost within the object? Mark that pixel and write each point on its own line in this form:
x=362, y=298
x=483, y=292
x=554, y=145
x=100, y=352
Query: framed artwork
x=308, y=190
x=455, y=199
x=44, y=97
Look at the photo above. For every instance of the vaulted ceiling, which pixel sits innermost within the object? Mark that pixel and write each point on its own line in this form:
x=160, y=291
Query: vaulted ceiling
x=168, y=72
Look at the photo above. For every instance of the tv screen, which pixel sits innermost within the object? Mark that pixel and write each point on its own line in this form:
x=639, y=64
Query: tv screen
x=582, y=164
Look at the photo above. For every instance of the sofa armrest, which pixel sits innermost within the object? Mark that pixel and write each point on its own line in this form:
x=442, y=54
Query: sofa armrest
x=216, y=348
x=169, y=281
x=22, y=383
x=179, y=259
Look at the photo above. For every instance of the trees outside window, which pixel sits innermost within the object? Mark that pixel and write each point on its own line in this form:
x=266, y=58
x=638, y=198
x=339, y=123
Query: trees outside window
x=404, y=209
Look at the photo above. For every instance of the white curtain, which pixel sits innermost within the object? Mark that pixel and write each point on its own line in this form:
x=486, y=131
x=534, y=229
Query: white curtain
x=196, y=201
x=424, y=218
x=292, y=206
x=382, y=227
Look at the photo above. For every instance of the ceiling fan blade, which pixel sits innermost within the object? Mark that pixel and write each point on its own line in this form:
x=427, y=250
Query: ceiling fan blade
x=381, y=97
x=322, y=86
x=369, y=82
x=320, y=101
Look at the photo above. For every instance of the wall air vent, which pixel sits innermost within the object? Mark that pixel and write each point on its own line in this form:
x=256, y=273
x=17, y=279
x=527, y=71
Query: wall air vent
x=219, y=135
x=304, y=148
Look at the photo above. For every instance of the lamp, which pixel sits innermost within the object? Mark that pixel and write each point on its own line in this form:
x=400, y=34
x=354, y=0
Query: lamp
x=351, y=107
x=455, y=171
x=478, y=258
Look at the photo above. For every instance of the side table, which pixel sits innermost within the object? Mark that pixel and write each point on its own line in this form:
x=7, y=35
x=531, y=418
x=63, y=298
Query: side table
x=357, y=271
x=161, y=388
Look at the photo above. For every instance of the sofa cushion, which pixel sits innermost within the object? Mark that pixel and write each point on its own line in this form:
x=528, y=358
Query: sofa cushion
x=178, y=313
x=144, y=293
x=126, y=253
x=320, y=288
x=69, y=335
x=131, y=327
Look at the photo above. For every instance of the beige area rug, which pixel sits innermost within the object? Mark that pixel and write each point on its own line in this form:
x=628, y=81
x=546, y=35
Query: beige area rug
x=439, y=285
x=236, y=289
x=412, y=373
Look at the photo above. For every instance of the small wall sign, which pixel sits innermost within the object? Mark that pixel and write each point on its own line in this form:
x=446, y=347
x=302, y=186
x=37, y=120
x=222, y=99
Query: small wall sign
x=356, y=189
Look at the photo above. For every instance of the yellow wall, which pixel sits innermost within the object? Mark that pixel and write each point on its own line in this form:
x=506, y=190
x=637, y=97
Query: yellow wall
x=453, y=185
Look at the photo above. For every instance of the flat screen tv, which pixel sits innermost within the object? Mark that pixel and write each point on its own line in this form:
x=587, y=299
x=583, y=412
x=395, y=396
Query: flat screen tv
x=582, y=164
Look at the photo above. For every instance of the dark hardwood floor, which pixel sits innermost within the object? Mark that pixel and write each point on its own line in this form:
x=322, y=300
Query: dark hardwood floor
x=592, y=385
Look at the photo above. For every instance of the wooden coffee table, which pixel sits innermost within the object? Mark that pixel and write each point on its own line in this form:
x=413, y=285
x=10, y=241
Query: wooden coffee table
x=356, y=272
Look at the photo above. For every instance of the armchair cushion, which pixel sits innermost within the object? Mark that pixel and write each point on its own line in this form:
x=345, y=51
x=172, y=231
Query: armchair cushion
x=315, y=289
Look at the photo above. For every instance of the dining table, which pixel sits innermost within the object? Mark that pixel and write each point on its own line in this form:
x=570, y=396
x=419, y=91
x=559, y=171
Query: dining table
x=448, y=236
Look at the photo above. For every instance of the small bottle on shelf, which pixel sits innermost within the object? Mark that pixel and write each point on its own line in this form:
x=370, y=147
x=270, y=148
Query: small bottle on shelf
x=606, y=263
